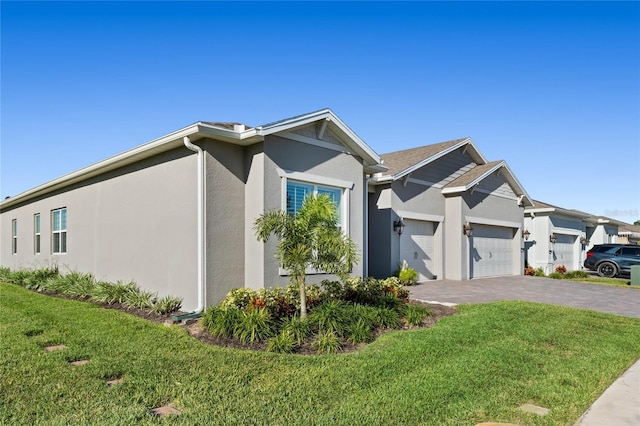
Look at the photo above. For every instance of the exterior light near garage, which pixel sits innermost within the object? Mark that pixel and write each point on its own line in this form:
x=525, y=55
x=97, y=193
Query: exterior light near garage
x=467, y=229
x=584, y=241
x=553, y=238
x=398, y=226
x=525, y=234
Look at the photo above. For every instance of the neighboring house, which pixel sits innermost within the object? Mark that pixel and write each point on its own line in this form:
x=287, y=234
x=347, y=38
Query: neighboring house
x=557, y=237
x=177, y=214
x=629, y=234
x=561, y=237
x=462, y=215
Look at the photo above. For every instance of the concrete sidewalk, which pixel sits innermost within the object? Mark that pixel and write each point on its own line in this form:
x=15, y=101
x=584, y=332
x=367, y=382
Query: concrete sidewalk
x=619, y=405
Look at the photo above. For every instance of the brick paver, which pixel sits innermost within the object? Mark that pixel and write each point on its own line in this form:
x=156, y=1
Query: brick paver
x=615, y=300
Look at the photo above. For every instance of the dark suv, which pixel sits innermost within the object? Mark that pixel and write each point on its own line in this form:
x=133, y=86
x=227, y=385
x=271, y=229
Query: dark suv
x=611, y=260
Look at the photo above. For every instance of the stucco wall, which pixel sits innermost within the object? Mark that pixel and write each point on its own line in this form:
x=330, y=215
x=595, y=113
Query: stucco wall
x=225, y=206
x=136, y=223
x=288, y=155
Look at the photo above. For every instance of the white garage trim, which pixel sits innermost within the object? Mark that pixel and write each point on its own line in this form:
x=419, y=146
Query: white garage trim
x=420, y=216
x=493, y=222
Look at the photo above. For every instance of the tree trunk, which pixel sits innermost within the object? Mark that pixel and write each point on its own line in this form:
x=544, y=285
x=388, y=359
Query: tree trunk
x=303, y=299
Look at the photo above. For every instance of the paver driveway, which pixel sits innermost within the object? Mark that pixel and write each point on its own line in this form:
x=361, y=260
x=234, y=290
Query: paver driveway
x=615, y=300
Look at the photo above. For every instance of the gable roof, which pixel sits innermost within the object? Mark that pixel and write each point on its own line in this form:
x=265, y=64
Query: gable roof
x=231, y=132
x=401, y=163
x=477, y=174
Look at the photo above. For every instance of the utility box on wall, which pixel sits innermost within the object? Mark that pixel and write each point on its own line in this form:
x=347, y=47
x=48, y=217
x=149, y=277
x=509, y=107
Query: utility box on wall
x=635, y=275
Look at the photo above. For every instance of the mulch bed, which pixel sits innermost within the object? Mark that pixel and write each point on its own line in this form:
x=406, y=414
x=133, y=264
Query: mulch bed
x=196, y=331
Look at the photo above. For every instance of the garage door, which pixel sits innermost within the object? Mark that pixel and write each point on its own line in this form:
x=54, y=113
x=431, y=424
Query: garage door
x=416, y=247
x=491, y=251
x=563, y=251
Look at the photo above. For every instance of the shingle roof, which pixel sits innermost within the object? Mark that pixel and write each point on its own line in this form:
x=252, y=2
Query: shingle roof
x=472, y=175
x=400, y=160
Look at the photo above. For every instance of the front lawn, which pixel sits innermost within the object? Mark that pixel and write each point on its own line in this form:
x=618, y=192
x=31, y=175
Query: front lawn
x=477, y=366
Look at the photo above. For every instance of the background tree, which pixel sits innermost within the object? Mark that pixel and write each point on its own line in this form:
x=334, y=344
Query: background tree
x=310, y=239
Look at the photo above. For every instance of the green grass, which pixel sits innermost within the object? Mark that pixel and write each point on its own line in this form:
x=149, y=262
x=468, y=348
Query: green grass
x=477, y=366
x=615, y=282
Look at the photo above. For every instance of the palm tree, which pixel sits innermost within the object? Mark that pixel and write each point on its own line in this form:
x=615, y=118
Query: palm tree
x=310, y=239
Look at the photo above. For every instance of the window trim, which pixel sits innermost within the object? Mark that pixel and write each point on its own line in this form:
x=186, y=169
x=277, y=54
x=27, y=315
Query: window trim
x=61, y=232
x=37, y=234
x=14, y=236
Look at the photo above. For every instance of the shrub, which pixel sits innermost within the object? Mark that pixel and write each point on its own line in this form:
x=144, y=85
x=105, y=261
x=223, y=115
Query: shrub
x=166, y=305
x=111, y=293
x=361, y=331
x=576, y=274
x=72, y=284
x=330, y=316
x=529, y=270
x=414, y=315
x=141, y=299
x=327, y=342
x=332, y=289
x=556, y=275
x=298, y=328
x=386, y=318
x=283, y=343
x=408, y=276
x=253, y=326
x=561, y=269
x=539, y=272
x=221, y=321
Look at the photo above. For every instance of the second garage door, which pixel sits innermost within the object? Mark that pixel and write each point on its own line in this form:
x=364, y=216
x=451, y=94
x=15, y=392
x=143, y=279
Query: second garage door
x=416, y=247
x=563, y=251
x=491, y=251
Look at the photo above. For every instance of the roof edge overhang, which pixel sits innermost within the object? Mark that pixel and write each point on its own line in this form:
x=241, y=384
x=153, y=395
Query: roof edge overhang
x=502, y=166
x=476, y=155
x=198, y=131
x=353, y=141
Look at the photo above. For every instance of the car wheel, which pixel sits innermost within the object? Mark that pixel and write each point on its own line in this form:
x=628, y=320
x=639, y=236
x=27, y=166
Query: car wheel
x=607, y=270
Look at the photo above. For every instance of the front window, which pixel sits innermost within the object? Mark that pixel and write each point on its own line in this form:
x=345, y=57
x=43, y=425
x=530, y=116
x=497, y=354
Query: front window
x=59, y=231
x=14, y=236
x=36, y=233
x=297, y=191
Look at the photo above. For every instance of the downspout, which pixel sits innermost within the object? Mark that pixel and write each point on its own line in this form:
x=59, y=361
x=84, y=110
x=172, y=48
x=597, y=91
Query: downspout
x=201, y=228
x=365, y=249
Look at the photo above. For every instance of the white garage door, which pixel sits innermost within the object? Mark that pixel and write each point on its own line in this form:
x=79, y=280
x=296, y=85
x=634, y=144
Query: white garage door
x=491, y=251
x=563, y=251
x=416, y=247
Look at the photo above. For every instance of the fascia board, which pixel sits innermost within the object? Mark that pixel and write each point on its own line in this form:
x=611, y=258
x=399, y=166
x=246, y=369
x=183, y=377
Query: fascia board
x=164, y=143
x=434, y=157
x=244, y=138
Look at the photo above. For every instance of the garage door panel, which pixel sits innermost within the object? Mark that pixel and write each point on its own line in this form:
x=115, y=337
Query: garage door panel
x=416, y=247
x=563, y=251
x=491, y=251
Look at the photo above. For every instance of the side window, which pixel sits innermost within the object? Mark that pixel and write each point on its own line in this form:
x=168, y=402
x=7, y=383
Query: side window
x=14, y=236
x=297, y=191
x=36, y=233
x=630, y=251
x=59, y=231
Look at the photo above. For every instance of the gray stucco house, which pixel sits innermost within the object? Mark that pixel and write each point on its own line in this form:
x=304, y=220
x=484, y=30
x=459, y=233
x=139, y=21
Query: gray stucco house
x=176, y=214
x=462, y=214
x=562, y=237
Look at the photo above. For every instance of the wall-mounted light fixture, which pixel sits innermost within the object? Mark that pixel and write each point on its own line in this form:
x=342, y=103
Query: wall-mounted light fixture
x=583, y=240
x=525, y=234
x=553, y=238
x=467, y=229
x=398, y=226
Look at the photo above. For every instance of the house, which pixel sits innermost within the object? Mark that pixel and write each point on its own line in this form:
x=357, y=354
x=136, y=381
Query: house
x=462, y=215
x=629, y=234
x=561, y=237
x=176, y=214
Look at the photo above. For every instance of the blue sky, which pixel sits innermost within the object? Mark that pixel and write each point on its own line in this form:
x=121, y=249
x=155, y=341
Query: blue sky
x=553, y=88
